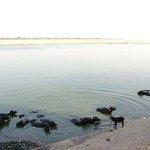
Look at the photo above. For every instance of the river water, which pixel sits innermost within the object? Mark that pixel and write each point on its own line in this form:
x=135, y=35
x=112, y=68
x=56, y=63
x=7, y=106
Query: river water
x=68, y=81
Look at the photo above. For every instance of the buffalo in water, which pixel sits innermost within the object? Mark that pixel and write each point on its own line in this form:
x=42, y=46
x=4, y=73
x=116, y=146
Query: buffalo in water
x=4, y=117
x=85, y=121
x=106, y=110
x=144, y=92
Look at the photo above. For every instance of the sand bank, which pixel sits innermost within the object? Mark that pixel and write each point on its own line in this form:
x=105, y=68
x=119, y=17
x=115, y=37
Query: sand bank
x=45, y=41
x=134, y=136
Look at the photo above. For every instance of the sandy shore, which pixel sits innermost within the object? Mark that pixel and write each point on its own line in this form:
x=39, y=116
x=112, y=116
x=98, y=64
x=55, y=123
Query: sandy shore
x=46, y=41
x=134, y=136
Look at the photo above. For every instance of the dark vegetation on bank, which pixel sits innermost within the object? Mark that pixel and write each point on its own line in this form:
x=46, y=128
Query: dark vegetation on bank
x=18, y=145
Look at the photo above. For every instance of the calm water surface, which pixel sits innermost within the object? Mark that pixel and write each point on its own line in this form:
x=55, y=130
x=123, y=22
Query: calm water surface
x=68, y=81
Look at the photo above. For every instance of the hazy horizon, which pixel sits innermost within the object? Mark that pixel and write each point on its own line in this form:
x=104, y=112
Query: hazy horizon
x=76, y=19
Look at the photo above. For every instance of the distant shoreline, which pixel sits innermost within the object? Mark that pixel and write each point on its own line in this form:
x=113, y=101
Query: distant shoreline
x=47, y=41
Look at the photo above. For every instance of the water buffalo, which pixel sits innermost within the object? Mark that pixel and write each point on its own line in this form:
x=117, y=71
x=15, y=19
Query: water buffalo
x=117, y=120
x=12, y=113
x=51, y=123
x=106, y=110
x=144, y=92
x=4, y=118
x=22, y=115
x=84, y=121
x=22, y=123
x=43, y=125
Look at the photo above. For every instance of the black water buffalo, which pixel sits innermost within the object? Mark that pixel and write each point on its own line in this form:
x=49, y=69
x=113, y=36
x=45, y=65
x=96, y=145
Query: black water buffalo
x=144, y=92
x=4, y=118
x=51, y=123
x=106, y=110
x=12, y=113
x=22, y=123
x=84, y=121
x=22, y=115
x=43, y=125
x=117, y=120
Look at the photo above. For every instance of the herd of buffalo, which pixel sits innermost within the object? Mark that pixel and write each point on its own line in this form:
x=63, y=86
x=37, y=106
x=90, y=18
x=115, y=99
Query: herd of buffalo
x=46, y=124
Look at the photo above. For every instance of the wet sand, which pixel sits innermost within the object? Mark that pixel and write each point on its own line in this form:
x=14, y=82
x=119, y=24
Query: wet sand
x=135, y=135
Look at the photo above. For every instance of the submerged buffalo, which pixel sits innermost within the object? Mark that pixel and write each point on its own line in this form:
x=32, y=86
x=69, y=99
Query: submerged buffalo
x=4, y=117
x=22, y=115
x=144, y=92
x=51, y=123
x=22, y=123
x=85, y=121
x=12, y=113
x=106, y=110
x=45, y=126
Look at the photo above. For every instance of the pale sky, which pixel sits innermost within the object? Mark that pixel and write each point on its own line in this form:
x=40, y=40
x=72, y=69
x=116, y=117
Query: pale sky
x=123, y=19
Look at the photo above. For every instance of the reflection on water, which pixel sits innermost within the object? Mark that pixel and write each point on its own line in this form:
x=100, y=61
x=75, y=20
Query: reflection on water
x=66, y=81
